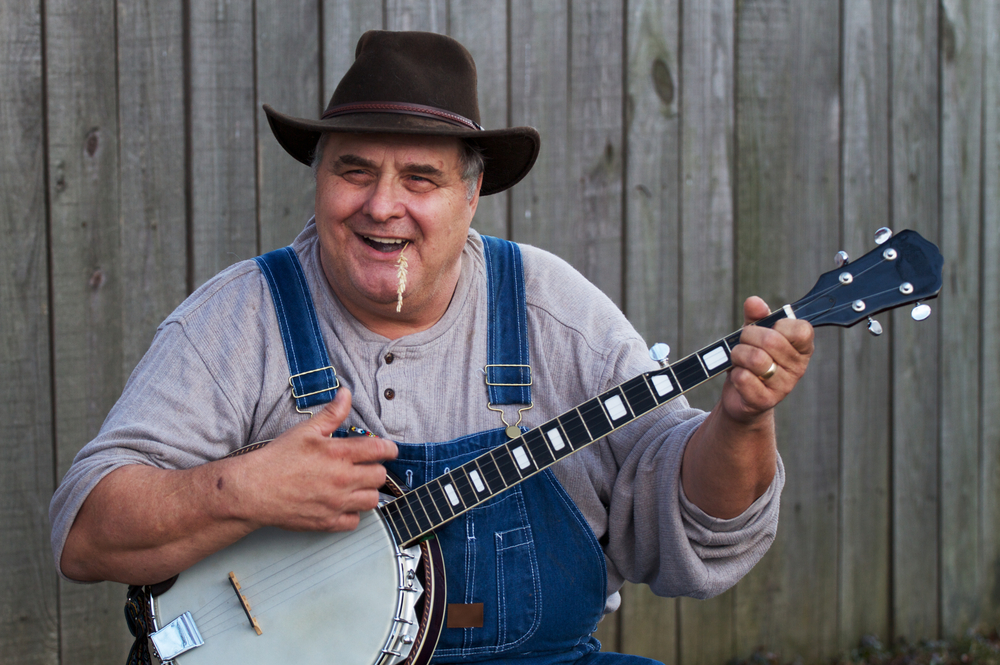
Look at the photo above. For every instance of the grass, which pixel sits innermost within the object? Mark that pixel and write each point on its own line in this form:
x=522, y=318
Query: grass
x=971, y=649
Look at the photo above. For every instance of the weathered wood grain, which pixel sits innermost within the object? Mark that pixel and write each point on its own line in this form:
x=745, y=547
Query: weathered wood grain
x=223, y=159
x=990, y=299
x=289, y=77
x=87, y=336
x=429, y=15
x=709, y=305
x=652, y=173
x=29, y=609
x=915, y=395
x=483, y=30
x=787, y=192
x=344, y=21
x=539, y=97
x=864, y=576
x=153, y=170
x=648, y=625
x=962, y=35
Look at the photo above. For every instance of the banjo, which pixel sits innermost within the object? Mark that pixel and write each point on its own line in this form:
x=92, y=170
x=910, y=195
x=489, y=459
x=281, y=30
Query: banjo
x=376, y=595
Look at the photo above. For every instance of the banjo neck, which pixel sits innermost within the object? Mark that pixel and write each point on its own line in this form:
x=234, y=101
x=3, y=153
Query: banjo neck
x=419, y=512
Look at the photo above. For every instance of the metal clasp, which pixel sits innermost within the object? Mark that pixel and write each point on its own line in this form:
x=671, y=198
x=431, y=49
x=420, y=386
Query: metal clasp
x=313, y=371
x=176, y=637
x=508, y=385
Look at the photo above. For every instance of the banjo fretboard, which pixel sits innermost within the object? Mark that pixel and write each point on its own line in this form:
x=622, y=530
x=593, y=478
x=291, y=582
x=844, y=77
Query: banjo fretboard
x=427, y=507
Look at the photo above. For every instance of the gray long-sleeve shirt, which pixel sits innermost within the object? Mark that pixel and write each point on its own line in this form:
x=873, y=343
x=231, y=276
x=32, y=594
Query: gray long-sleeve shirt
x=216, y=379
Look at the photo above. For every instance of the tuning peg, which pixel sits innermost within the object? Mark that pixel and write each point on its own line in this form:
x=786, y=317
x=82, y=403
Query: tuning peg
x=660, y=352
x=882, y=235
x=874, y=327
x=921, y=311
x=841, y=259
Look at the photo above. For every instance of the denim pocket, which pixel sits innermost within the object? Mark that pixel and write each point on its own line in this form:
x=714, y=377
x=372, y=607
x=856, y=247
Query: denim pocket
x=490, y=559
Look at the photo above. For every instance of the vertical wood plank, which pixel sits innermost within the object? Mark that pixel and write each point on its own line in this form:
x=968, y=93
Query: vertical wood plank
x=427, y=15
x=222, y=137
x=590, y=235
x=87, y=289
x=709, y=306
x=990, y=286
x=152, y=131
x=788, y=118
x=288, y=78
x=915, y=394
x=962, y=37
x=539, y=98
x=648, y=625
x=652, y=189
x=482, y=28
x=344, y=21
x=864, y=593
x=708, y=302
x=29, y=610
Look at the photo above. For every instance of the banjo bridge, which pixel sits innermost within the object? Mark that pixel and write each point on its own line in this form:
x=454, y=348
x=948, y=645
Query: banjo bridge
x=244, y=603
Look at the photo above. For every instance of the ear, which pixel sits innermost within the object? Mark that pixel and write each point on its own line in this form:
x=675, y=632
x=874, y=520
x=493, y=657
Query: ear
x=474, y=201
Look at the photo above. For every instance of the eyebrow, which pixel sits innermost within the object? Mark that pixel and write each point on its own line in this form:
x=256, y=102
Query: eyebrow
x=355, y=160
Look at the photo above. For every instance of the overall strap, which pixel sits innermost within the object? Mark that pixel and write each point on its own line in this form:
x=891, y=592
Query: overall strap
x=508, y=369
x=312, y=377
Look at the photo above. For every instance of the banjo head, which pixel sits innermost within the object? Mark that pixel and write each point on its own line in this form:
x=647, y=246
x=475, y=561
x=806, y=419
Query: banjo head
x=351, y=598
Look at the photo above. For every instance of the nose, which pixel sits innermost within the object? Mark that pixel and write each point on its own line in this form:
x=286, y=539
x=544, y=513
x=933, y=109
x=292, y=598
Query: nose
x=384, y=201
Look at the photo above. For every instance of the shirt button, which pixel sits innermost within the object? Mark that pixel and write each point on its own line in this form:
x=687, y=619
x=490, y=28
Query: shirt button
x=389, y=393
x=389, y=358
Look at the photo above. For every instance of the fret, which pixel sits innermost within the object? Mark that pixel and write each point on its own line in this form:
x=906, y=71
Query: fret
x=664, y=384
x=415, y=517
x=639, y=395
x=423, y=516
x=395, y=519
x=689, y=372
x=539, y=447
x=574, y=428
x=556, y=439
x=734, y=338
x=439, y=500
x=464, y=486
x=616, y=407
x=596, y=418
x=715, y=358
x=490, y=474
x=522, y=457
x=505, y=464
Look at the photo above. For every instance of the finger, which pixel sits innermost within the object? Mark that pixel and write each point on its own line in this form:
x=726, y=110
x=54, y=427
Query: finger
x=333, y=414
x=754, y=309
x=368, y=449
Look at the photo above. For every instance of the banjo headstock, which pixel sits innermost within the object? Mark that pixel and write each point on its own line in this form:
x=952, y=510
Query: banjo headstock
x=904, y=268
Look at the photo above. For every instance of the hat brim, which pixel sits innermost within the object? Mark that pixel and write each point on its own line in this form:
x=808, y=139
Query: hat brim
x=508, y=154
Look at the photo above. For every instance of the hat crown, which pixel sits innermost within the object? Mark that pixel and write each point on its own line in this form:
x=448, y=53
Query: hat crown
x=413, y=67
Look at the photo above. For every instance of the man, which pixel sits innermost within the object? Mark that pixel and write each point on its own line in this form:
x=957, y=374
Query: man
x=410, y=305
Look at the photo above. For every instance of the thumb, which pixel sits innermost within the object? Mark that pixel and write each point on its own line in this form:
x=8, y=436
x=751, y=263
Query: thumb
x=333, y=414
x=754, y=309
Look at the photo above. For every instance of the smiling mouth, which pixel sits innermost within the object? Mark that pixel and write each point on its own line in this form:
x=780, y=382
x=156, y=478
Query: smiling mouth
x=386, y=245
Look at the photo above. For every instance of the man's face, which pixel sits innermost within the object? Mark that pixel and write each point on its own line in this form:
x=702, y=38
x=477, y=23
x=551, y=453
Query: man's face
x=375, y=194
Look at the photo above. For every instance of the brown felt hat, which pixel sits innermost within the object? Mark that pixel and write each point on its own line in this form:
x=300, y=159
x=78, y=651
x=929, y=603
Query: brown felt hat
x=412, y=83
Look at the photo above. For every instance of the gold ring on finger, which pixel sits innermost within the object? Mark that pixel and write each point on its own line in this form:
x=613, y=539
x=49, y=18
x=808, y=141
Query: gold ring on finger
x=769, y=373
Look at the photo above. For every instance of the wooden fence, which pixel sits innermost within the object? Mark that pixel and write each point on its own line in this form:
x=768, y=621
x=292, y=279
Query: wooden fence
x=694, y=153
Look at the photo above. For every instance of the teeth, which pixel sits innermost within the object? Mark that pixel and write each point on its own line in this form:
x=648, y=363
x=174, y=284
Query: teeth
x=386, y=241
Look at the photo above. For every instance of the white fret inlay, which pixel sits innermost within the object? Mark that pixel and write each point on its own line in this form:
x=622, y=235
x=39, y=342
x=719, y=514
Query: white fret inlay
x=615, y=407
x=452, y=494
x=521, y=457
x=715, y=358
x=555, y=439
x=477, y=481
x=662, y=384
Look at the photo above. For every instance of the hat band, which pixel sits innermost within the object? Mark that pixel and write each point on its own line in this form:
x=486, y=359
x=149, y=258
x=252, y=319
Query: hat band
x=406, y=109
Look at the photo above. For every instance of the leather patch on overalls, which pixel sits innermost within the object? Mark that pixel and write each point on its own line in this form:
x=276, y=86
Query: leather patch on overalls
x=465, y=615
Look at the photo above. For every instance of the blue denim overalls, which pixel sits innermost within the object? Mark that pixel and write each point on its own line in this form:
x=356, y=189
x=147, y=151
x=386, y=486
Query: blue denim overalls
x=527, y=556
